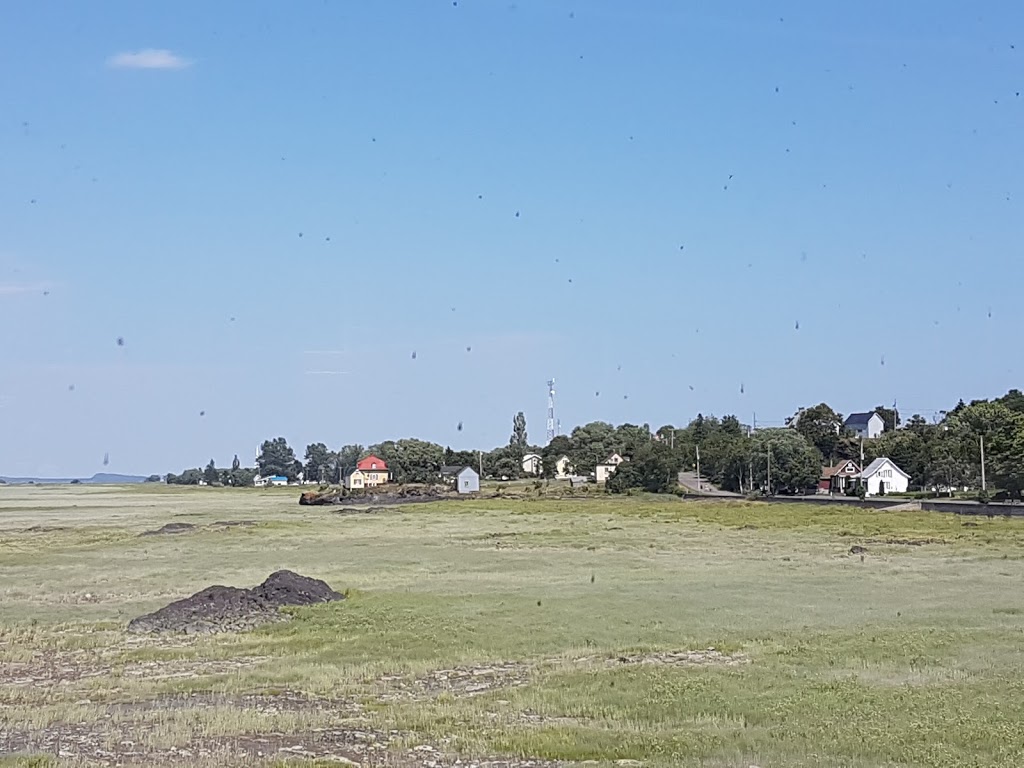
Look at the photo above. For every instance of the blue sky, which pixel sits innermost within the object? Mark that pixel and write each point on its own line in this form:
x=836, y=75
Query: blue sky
x=690, y=183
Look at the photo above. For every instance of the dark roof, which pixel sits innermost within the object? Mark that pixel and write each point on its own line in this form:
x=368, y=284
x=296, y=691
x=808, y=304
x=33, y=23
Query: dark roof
x=859, y=419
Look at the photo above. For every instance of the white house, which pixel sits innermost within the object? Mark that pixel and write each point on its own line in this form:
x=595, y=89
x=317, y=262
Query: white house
x=883, y=476
x=607, y=468
x=531, y=464
x=563, y=468
x=262, y=482
x=868, y=425
x=465, y=479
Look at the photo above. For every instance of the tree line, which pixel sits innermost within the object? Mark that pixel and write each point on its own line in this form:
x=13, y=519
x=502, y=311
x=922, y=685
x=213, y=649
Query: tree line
x=942, y=453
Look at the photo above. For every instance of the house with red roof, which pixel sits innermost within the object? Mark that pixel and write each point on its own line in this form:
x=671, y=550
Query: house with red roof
x=369, y=473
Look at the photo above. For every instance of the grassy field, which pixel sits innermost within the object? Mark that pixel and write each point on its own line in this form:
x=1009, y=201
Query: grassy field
x=512, y=632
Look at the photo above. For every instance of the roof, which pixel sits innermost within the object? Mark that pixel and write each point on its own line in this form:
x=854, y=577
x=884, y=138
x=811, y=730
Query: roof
x=859, y=419
x=277, y=477
x=367, y=464
x=456, y=469
x=531, y=456
x=878, y=464
x=827, y=472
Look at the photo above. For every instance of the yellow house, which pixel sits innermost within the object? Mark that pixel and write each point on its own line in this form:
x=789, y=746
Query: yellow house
x=355, y=480
x=369, y=473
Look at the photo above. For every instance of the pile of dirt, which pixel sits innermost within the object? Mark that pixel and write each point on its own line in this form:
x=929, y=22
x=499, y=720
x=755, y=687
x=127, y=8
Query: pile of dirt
x=170, y=528
x=389, y=495
x=230, y=609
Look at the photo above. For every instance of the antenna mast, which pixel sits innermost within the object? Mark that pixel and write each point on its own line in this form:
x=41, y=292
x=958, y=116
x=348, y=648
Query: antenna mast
x=552, y=427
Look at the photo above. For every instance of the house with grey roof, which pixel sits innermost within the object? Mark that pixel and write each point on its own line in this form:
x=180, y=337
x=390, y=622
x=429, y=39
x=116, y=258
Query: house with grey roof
x=868, y=425
x=882, y=476
x=464, y=479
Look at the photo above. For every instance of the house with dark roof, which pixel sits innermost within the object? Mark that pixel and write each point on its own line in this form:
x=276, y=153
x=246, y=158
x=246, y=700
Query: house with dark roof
x=869, y=425
x=838, y=478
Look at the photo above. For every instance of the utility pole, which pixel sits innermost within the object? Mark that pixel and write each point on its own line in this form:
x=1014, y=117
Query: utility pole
x=769, y=469
x=981, y=442
x=700, y=489
x=480, y=459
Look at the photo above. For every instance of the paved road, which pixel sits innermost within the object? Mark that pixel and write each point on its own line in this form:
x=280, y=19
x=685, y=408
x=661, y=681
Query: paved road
x=689, y=481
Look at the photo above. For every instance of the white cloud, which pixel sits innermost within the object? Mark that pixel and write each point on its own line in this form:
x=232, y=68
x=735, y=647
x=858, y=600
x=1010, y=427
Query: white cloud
x=148, y=58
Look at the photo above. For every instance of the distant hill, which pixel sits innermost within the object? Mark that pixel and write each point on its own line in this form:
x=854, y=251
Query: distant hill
x=100, y=478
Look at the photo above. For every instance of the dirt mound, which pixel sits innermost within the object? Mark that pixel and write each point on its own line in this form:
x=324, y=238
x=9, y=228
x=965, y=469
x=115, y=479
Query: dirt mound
x=230, y=609
x=170, y=528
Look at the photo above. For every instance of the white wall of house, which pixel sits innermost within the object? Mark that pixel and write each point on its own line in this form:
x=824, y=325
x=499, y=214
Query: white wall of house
x=531, y=464
x=888, y=476
x=563, y=468
x=467, y=481
x=875, y=427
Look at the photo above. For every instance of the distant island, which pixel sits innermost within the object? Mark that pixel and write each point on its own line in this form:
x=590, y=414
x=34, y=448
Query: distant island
x=100, y=478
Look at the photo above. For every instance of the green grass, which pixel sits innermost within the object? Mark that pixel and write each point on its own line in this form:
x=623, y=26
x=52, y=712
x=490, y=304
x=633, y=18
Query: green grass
x=908, y=656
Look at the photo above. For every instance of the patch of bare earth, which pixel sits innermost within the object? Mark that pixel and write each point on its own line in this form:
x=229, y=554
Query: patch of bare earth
x=139, y=732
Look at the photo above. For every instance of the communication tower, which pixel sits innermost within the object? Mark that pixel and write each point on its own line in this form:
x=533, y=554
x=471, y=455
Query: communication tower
x=552, y=425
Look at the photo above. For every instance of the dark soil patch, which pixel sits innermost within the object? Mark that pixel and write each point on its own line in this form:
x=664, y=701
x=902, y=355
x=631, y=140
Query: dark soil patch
x=910, y=542
x=856, y=549
x=230, y=609
x=170, y=528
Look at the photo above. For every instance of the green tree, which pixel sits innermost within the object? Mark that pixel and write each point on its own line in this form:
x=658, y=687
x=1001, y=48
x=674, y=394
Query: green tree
x=1014, y=400
x=795, y=463
x=518, y=440
x=460, y=458
x=909, y=450
x=210, y=474
x=411, y=460
x=277, y=458
x=318, y=462
x=190, y=477
x=235, y=464
x=821, y=426
x=630, y=438
x=242, y=477
x=591, y=444
x=1002, y=430
x=559, y=446
x=347, y=457
x=502, y=463
x=654, y=467
x=890, y=416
